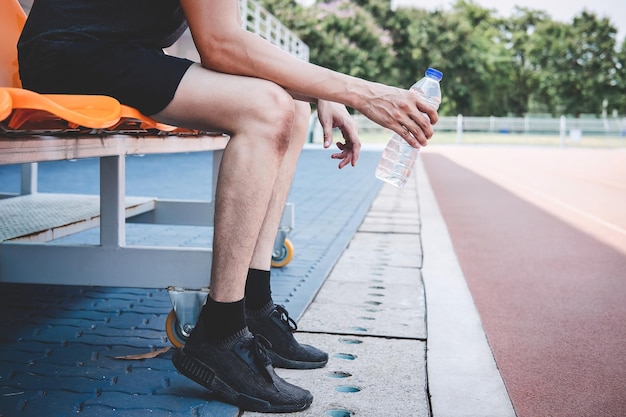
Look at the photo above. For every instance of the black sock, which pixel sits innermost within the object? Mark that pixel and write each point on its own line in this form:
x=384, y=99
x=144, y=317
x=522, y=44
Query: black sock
x=219, y=321
x=258, y=292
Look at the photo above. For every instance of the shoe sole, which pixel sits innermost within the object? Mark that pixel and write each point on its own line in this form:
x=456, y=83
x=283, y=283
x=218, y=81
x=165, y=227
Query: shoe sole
x=202, y=374
x=281, y=362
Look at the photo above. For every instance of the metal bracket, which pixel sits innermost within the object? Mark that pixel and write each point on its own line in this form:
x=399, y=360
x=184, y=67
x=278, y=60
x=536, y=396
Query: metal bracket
x=187, y=305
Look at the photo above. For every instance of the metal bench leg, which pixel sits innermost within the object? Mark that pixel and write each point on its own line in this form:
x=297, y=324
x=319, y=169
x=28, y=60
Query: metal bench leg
x=112, y=207
x=28, y=183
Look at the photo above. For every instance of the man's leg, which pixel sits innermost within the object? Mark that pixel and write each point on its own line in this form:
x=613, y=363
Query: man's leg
x=257, y=291
x=262, y=256
x=259, y=117
x=221, y=354
x=263, y=317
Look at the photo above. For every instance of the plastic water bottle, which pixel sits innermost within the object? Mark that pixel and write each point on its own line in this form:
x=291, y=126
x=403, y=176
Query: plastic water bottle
x=398, y=158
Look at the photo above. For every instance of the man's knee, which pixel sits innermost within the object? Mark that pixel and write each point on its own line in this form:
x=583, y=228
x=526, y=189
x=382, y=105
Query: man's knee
x=279, y=114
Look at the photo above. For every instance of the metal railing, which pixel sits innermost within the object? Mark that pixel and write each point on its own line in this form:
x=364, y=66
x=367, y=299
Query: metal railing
x=534, y=125
x=608, y=126
x=257, y=20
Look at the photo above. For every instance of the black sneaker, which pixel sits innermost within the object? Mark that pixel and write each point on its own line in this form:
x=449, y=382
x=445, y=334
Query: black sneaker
x=239, y=372
x=273, y=323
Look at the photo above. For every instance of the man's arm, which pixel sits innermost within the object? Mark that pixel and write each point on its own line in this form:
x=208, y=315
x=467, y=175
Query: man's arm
x=226, y=47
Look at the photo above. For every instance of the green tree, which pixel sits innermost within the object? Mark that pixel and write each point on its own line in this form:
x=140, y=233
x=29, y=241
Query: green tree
x=492, y=66
x=620, y=82
x=342, y=36
x=576, y=63
x=461, y=43
x=380, y=9
x=521, y=80
x=408, y=31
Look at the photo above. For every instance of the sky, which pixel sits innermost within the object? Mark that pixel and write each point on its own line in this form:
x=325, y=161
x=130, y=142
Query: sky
x=560, y=10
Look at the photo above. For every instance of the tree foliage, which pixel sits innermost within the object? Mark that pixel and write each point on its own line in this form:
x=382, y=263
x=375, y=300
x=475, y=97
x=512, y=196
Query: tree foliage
x=341, y=35
x=576, y=64
x=492, y=66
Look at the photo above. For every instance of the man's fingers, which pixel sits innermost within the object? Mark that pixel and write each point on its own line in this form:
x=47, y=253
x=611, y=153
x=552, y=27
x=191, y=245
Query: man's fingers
x=328, y=134
x=410, y=137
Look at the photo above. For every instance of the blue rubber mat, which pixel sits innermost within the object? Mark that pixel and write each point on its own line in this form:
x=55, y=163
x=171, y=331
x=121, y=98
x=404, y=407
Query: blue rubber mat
x=63, y=349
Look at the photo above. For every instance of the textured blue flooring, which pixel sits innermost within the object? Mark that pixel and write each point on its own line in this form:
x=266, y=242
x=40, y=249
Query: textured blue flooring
x=58, y=344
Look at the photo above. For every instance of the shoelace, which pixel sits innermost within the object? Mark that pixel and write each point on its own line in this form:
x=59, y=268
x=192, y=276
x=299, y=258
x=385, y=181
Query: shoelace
x=284, y=317
x=257, y=349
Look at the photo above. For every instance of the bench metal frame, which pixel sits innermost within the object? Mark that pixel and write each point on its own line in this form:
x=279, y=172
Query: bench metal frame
x=112, y=262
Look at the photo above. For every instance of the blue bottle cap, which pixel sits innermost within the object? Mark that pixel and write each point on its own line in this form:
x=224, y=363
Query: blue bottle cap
x=433, y=73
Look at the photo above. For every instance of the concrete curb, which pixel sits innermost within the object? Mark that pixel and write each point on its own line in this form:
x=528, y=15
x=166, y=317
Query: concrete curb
x=463, y=378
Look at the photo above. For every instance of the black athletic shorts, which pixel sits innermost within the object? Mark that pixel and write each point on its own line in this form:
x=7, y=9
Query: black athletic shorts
x=135, y=75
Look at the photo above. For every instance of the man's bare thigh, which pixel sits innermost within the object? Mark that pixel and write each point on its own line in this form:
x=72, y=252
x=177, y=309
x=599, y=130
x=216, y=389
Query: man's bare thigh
x=210, y=100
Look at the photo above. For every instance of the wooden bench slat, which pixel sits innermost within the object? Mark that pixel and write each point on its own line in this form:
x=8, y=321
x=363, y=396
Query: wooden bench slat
x=20, y=150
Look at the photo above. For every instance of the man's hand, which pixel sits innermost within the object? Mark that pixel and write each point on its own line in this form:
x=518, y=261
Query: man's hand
x=401, y=111
x=333, y=115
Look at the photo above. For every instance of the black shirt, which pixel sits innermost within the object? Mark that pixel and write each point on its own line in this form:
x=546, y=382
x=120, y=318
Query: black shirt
x=153, y=23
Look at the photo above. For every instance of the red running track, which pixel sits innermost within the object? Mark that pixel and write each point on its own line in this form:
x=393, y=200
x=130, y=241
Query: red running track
x=540, y=234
